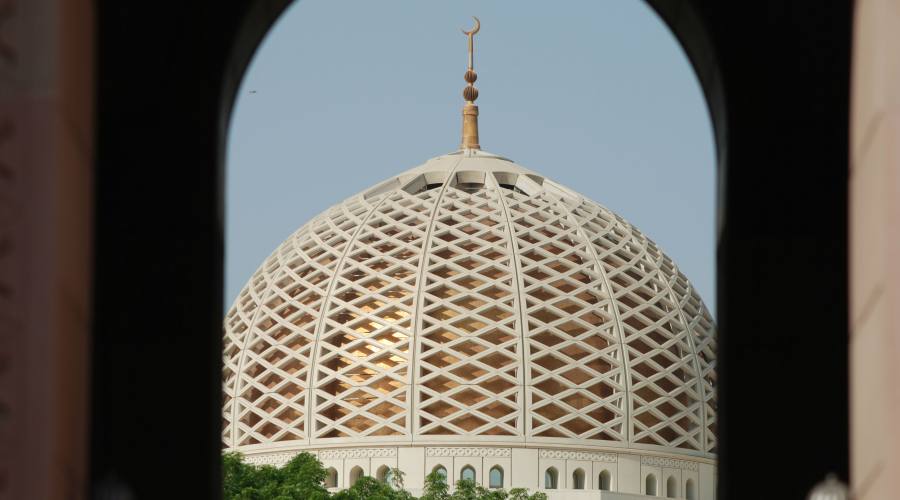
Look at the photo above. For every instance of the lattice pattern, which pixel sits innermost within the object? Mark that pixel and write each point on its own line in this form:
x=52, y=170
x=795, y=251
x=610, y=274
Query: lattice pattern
x=469, y=300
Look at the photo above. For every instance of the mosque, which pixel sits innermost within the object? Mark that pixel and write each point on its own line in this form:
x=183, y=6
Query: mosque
x=474, y=317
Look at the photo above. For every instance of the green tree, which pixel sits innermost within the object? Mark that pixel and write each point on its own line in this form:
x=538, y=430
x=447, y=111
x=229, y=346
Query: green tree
x=436, y=487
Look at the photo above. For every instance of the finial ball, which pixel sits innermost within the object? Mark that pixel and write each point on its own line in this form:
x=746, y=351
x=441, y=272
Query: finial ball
x=470, y=93
x=471, y=76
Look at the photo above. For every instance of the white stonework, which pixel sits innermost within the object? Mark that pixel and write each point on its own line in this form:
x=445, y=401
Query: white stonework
x=473, y=313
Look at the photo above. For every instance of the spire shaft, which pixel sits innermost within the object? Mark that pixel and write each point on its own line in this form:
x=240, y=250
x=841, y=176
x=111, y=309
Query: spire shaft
x=470, y=93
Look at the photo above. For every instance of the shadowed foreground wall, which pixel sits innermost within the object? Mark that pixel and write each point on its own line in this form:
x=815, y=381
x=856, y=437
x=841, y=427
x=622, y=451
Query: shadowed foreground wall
x=874, y=251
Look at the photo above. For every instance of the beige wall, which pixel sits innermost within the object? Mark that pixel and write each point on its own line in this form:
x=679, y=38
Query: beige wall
x=875, y=251
x=46, y=141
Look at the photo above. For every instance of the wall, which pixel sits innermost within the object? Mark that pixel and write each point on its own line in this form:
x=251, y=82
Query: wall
x=875, y=251
x=46, y=179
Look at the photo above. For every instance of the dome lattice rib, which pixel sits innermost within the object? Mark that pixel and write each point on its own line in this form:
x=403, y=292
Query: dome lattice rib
x=469, y=299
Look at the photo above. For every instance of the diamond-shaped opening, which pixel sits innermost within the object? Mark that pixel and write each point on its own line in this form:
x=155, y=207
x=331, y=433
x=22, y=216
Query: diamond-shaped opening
x=496, y=410
x=577, y=425
x=269, y=430
x=470, y=302
x=441, y=359
x=667, y=385
x=598, y=341
x=605, y=415
x=385, y=431
x=497, y=385
x=563, y=286
x=599, y=365
x=468, y=372
x=271, y=380
x=550, y=386
x=268, y=404
x=496, y=431
x=468, y=422
x=602, y=390
x=667, y=408
x=289, y=416
x=577, y=376
x=385, y=410
x=393, y=315
x=441, y=409
x=537, y=274
x=495, y=292
x=441, y=336
x=572, y=328
x=358, y=398
x=468, y=263
x=469, y=348
x=551, y=412
x=646, y=418
x=578, y=400
x=669, y=435
x=359, y=424
x=644, y=369
x=443, y=292
x=640, y=346
x=549, y=432
x=375, y=284
x=366, y=326
x=442, y=313
x=334, y=412
x=547, y=338
x=647, y=394
x=439, y=431
x=495, y=314
x=386, y=385
x=493, y=273
x=469, y=397
x=544, y=315
x=440, y=384
x=469, y=283
x=542, y=295
x=549, y=363
x=496, y=360
x=574, y=351
x=604, y=436
x=496, y=336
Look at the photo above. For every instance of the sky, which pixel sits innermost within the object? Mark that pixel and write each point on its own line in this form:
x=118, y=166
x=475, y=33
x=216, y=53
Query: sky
x=594, y=94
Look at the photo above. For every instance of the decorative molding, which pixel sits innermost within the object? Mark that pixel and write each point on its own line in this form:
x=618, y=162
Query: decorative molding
x=467, y=452
x=277, y=459
x=580, y=455
x=343, y=454
x=673, y=463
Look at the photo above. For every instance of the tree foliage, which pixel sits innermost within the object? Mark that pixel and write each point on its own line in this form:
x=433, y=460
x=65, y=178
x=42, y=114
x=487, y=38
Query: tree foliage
x=303, y=478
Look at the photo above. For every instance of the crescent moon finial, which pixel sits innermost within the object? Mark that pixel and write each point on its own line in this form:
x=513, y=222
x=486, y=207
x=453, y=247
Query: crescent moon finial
x=475, y=29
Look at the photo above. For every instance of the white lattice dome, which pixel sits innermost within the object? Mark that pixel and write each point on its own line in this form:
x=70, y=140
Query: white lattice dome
x=469, y=301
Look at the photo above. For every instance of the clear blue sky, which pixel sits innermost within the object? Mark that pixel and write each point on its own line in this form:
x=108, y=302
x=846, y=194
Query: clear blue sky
x=595, y=94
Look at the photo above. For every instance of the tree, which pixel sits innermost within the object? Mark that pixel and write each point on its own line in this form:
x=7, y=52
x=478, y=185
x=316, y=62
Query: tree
x=303, y=478
x=436, y=487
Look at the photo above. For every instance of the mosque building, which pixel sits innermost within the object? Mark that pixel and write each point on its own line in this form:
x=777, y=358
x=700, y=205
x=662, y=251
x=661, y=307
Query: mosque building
x=474, y=317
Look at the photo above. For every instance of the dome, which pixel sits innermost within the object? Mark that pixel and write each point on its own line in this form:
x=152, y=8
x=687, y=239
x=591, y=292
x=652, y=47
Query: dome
x=470, y=302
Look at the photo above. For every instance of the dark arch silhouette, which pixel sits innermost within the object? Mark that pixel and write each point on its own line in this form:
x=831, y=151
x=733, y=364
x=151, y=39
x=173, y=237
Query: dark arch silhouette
x=776, y=82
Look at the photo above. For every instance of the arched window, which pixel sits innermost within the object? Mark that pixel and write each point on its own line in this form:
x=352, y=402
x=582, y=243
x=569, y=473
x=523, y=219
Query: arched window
x=495, y=478
x=650, y=485
x=355, y=474
x=440, y=469
x=331, y=478
x=467, y=472
x=671, y=487
x=690, y=490
x=384, y=475
x=604, y=481
x=550, y=478
x=578, y=479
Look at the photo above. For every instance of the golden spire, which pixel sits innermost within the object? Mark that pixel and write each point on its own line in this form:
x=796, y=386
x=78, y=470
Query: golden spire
x=470, y=93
